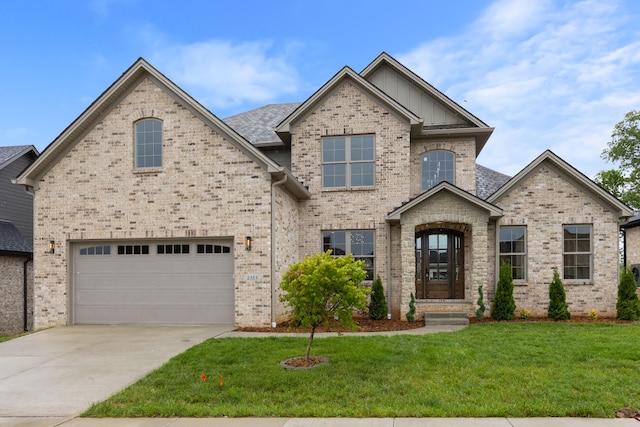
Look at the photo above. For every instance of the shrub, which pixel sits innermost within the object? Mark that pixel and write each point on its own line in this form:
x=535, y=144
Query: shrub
x=481, y=308
x=378, y=306
x=321, y=287
x=411, y=314
x=593, y=314
x=558, y=309
x=504, y=306
x=524, y=314
x=628, y=307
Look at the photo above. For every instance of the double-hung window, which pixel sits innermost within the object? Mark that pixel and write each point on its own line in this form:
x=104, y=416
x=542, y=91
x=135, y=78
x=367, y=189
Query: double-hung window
x=148, y=134
x=359, y=243
x=513, y=250
x=577, y=253
x=437, y=166
x=348, y=161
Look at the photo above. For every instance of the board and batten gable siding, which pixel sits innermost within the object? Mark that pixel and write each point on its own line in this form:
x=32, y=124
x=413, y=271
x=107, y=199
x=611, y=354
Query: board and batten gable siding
x=205, y=188
x=544, y=202
x=16, y=205
x=413, y=98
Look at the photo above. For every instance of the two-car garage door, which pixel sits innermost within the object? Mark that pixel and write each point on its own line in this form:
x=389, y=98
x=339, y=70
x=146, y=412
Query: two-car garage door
x=153, y=282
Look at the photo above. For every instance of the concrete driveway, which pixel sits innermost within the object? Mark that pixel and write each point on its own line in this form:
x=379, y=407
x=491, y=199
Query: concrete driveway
x=61, y=371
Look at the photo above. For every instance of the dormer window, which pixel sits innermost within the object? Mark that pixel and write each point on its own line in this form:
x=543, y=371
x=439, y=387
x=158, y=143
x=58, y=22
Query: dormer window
x=348, y=161
x=437, y=166
x=148, y=143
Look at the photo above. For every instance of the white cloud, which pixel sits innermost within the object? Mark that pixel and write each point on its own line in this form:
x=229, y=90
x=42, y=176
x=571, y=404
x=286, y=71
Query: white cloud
x=222, y=74
x=545, y=74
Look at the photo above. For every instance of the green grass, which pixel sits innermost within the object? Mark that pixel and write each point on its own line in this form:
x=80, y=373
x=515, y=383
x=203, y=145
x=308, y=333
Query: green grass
x=485, y=370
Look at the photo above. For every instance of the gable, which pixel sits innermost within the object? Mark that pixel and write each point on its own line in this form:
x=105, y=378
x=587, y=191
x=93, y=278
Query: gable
x=550, y=163
x=110, y=98
x=407, y=93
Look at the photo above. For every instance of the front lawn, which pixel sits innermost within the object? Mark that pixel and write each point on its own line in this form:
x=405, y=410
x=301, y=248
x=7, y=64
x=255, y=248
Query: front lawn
x=486, y=370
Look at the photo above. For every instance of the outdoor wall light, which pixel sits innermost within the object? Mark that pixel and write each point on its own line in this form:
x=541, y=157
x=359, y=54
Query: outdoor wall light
x=247, y=243
x=52, y=246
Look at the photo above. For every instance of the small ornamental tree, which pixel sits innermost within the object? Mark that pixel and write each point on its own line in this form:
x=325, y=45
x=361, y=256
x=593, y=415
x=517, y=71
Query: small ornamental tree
x=481, y=308
x=558, y=309
x=628, y=306
x=504, y=306
x=323, y=287
x=378, y=306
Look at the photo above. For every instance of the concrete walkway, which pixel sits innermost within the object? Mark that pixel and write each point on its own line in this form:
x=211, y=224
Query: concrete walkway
x=319, y=422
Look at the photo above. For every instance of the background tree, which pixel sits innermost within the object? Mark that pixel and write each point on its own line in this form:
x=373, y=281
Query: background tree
x=378, y=308
x=624, y=149
x=504, y=306
x=558, y=309
x=628, y=306
x=323, y=287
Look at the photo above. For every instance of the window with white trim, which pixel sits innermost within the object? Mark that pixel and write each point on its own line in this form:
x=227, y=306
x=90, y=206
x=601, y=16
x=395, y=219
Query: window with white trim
x=513, y=250
x=359, y=243
x=348, y=161
x=577, y=252
x=148, y=135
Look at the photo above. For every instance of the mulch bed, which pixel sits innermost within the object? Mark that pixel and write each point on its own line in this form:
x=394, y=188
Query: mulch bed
x=364, y=325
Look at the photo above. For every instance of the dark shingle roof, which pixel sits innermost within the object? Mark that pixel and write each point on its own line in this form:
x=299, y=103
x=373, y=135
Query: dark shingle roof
x=11, y=240
x=488, y=181
x=257, y=126
x=8, y=153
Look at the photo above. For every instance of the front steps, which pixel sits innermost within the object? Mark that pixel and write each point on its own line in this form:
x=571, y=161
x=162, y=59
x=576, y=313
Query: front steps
x=441, y=318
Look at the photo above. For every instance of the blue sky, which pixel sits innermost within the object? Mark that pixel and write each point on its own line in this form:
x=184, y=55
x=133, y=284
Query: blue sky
x=546, y=74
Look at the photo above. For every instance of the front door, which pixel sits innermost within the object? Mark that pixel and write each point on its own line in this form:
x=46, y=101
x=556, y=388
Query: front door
x=439, y=264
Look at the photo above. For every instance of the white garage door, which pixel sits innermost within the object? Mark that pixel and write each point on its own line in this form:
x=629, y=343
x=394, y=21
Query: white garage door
x=168, y=282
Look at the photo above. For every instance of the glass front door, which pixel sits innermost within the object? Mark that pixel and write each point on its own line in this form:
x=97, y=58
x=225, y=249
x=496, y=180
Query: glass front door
x=439, y=264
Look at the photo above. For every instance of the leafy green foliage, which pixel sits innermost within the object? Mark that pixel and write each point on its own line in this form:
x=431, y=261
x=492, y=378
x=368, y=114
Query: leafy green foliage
x=504, y=306
x=624, y=148
x=628, y=306
x=558, y=309
x=321, y=287
x=481, y=308
x=378, y=306
x=411, y=314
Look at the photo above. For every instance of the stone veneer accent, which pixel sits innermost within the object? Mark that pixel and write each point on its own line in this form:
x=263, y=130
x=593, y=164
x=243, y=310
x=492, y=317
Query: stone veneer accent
x=544, y=202
x=206, y=188
x=446, y=210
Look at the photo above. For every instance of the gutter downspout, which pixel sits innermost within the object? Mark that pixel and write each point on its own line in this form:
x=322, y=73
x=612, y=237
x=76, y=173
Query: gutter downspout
x=388, y=270
x=273, y=249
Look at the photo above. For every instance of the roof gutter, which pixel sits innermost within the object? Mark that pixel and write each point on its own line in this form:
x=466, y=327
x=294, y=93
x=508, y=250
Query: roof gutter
x=273, y=248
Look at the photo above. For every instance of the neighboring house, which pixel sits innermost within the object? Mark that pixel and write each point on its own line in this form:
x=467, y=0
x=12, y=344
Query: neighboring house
x=159, y=212
x=631, y=257
x=16, y=242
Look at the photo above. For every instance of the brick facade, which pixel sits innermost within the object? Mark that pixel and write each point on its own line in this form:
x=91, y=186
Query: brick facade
x=12, y=310
x=544, y=202
x=206, y=188
x=209, y=187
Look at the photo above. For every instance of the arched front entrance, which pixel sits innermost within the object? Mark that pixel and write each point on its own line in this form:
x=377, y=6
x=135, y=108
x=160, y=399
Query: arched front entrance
x=439, y=264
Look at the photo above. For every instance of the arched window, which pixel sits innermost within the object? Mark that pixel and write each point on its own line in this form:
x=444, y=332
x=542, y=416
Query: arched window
x=148, y=143
x=437, y=166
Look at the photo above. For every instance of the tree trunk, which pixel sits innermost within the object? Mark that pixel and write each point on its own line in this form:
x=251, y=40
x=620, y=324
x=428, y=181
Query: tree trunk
x=313, y=331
